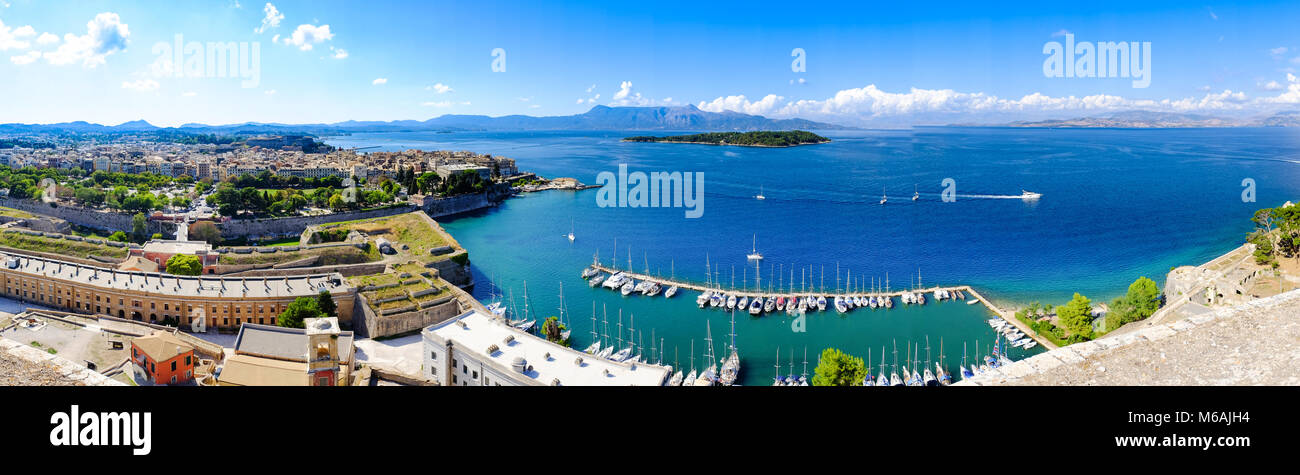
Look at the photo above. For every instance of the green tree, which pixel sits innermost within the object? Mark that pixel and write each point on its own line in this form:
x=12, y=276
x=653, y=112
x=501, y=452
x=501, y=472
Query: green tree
x=298, y=311
x=554, y=331
x=837, y=368
x=205, y=231
x=139, y=226
x=1076, y=317
x=184, y=264
x=325, y=302
x=1142, y=300
x=118, y=236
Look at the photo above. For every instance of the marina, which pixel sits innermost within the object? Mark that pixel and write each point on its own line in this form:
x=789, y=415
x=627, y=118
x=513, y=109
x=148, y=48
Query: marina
x=757, y=303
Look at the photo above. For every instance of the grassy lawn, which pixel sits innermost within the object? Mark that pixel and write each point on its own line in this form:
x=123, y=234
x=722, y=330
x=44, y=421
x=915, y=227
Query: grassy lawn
x=409, y=229
x=14, y=213
x=289, y=241
x=59, y=246
x=329, y=256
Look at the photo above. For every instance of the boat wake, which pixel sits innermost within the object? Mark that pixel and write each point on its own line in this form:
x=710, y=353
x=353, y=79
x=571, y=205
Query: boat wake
x=992, y=197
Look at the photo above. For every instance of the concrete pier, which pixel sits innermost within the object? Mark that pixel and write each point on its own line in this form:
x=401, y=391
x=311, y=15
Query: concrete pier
x=1006, y=315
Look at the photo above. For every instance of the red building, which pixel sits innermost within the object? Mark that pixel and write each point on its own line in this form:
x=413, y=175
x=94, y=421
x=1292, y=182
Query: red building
x=162, y=358
x=158, y=251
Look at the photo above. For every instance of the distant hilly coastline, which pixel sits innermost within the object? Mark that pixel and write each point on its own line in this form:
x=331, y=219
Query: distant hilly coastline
x=1139, y=119
x=686, y=117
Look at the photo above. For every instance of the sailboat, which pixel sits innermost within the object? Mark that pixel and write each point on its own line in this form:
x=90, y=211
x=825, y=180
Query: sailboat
x=710, y=374
x=524, y=324
x=690, y=377
x=673, y=278
x=778, y=380
x=803, y=378
x=760, y=196
x=916, y=194
x=595, y=342
x=928, y=378
x=564, y=310
x=571, y=237
x=883, y=196
x=753, y=254
x=731, y=365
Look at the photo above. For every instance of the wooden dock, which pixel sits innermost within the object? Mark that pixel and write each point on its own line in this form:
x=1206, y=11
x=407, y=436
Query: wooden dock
x=1006, y=315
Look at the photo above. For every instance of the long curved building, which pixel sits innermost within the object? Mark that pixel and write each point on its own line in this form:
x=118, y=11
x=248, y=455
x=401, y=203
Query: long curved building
x=152, y=297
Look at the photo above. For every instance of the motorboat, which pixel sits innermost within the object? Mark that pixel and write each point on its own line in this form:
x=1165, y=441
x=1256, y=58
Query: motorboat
x=1029, y=195
x=596, y=280
x=670, y=292
x=628, y=288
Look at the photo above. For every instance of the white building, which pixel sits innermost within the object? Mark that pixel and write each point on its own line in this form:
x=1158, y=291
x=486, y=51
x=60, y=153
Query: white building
x=476, y=349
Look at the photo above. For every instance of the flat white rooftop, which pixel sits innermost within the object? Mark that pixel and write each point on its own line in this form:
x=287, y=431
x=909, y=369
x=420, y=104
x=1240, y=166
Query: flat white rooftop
x=179, y=286
x=478, y=332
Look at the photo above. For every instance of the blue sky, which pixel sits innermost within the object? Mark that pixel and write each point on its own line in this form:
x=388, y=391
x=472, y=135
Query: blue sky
x=884, y=64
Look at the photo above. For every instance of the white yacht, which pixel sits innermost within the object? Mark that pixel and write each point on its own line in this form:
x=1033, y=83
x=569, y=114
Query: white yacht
x=1029, y=195
x=754, y=255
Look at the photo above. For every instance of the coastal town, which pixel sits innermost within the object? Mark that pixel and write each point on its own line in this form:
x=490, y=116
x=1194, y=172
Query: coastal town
x=230, y=275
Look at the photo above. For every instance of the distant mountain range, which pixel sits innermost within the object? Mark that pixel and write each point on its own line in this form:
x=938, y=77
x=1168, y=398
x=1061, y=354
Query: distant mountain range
x=1149, y=119
x=686, y=117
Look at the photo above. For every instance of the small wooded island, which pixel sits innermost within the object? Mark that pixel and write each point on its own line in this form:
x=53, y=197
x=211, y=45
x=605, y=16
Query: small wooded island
x=789, y=138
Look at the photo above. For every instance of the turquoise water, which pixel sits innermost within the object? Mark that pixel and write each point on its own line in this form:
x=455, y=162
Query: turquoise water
x=1117, y=204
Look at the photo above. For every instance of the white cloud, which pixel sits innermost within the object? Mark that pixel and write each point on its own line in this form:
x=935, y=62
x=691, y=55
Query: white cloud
x=800, y=81
x=1270, y=86
x=47, y=39
x=379, y=81
x=1292, y=94
x=307, y=35
x=27, y=58
x=592, y=88
x=869, y=103
x=339, y=53
x=442, y=104
x=739, y=103
x=105, y=35
x=269, y=92
x=624, y=90
x=271, y=20
x=12, y=38
x=1278, y=52
x=141, y=85
x=627, y=97
x=439, y=88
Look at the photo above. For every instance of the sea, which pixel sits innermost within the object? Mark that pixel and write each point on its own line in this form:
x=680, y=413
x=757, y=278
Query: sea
x=1116, y=204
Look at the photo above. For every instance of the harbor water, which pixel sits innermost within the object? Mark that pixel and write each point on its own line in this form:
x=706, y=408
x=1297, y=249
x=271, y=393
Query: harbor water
x=1117, y=204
